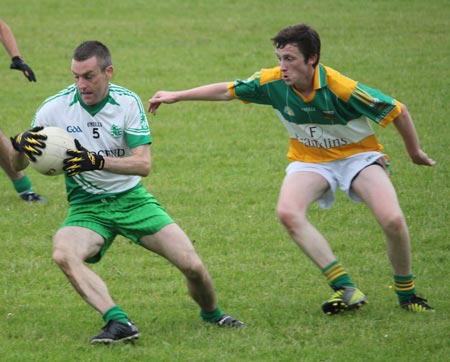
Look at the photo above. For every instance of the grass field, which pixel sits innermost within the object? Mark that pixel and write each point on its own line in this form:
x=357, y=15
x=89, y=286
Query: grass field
x=217, y=170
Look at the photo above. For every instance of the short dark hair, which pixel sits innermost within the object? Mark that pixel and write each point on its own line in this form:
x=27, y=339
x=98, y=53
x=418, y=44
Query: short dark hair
x=91, y=48
x=305, y=38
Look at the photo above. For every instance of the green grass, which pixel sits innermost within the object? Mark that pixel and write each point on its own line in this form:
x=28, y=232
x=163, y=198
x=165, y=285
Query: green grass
x=217, y=169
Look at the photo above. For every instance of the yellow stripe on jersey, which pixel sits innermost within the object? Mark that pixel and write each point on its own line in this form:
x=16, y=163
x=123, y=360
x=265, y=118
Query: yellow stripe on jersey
x=265, y=76
x=231, y=90
x=339, y=84
x=299, y=152
x=363, y=96
x=392, y=115
x=269, y=75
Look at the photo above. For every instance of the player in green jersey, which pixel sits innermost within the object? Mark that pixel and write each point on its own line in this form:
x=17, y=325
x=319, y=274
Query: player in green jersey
x=21, y=182
x=105, y=192
x=332, y=145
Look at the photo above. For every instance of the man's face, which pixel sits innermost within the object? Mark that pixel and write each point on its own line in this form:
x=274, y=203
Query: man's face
x=91, y=81
x=296, y=71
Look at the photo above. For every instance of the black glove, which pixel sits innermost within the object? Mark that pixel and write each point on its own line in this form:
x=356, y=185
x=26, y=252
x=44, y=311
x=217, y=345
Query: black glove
x=19, y=64
x=30, y=142
x=82, y=160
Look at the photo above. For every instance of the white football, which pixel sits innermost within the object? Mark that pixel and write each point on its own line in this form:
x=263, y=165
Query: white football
x=58, y=141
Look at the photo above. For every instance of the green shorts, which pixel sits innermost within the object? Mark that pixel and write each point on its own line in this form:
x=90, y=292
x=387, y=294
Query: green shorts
x=133, y=214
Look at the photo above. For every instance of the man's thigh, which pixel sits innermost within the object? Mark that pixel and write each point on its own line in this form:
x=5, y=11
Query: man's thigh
x=303, y=187
x=172, y=243
x=78, y=241
x=375, y=188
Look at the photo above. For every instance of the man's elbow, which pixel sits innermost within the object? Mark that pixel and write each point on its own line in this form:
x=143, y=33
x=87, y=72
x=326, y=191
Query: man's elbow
x=404, y=109
x=145, y=169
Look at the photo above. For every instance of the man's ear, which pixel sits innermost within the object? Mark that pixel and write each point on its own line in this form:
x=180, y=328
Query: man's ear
x=109, y=71
x=313, y=59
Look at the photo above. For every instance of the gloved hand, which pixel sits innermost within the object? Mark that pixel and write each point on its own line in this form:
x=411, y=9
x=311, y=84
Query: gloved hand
x=30, y=142
x=19, y=64
x=82, y=160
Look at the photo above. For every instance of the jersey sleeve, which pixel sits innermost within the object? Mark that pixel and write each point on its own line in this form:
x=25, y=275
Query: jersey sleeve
x=49, y=113
x=250, y=90
x=374, y=104
x=44, y=116
x=137, y=128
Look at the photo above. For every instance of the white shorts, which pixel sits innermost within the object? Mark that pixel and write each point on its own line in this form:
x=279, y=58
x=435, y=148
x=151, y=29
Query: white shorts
x=339, y=173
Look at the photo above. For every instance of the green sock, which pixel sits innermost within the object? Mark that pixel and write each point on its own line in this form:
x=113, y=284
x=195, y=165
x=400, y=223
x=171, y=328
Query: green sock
x=337, y=276
x=22, y=185
x=211, y=316
x=404, y=286
x=115, y=314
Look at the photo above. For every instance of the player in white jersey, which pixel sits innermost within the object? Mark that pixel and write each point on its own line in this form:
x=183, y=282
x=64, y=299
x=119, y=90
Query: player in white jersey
x=111, y=129
x=21, y=182
x=104, y=190
x=332, y=145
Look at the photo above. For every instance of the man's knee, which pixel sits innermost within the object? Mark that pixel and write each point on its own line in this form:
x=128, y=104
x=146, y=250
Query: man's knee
x=193, y=267
x=63, y=255
x=60, y=255
x=289, y=216
x=393, y=222
x=60, y=258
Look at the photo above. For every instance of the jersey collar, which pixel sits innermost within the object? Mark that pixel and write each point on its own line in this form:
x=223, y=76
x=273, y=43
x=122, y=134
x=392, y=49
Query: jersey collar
x=93, y=110
x=320, y=79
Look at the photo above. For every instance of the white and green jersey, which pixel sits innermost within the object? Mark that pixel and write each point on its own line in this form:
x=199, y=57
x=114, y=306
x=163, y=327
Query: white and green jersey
x=332, y=123
x=111, y=128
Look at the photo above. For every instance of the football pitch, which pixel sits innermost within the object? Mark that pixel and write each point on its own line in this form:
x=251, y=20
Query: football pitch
x=217, y=169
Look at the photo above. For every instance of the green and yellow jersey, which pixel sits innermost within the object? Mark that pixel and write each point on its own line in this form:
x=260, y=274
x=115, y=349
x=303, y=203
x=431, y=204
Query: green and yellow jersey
x=332, y=123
